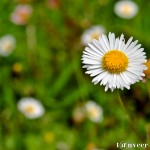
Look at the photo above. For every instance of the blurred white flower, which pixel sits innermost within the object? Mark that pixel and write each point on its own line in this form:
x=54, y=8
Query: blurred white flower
x=126, y=9
x=31, y=108
x=93, y=111
x=92, y=33
x=7, y=45
x=21, y=14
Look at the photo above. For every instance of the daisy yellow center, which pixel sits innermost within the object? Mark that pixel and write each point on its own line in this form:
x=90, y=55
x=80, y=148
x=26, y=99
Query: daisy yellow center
x=7, y=46
x=93, y=112
x=29, y=109
x=115, y=61
x=95, y=36
x=126, y=9
x=24, y=15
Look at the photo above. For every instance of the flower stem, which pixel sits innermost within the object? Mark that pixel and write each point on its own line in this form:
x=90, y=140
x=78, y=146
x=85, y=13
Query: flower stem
x=129, y=119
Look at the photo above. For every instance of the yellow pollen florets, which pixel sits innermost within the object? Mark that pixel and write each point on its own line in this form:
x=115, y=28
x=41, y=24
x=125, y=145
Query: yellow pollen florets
x=115, y=61
x=95, y=36
x=127, y=9
x=29, y=109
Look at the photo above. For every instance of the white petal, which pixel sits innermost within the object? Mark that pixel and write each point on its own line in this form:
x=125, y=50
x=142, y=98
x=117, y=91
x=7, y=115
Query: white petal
x=105, y=39
x=105, y=80
x=90, y=57
x=94, y=67
x=90, y=61
x=103, y=44
x=114, y=80
x=106, y=87
x=94, y=72
x=89, y=54
x=132, y=45
x=99, y=77
x=99, y=46
x=95, y=49
x=117, y=44
x=90, y=51
x=112, y=40
x=121, y=42
x=129, y=80
x=137, y=52
x=86, y=66
x=127, y=44
x=134, y=49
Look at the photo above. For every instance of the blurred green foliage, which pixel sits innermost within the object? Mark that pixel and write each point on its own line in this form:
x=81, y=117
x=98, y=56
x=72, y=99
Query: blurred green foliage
x=49, y=51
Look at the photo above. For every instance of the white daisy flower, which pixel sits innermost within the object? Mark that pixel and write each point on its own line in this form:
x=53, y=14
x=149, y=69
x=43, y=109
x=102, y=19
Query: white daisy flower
x=92, y=33
x=93, y=111
x=31, y=108
x=7, y=45
x=126, y=9
x=114, y=63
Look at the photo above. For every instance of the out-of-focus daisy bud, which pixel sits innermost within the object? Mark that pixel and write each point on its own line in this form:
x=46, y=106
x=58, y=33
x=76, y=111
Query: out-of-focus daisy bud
x=126, y=9
x=92, y=33
x=31, y=107
x=93, y=111
x=21, y=14
x=7, y=45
